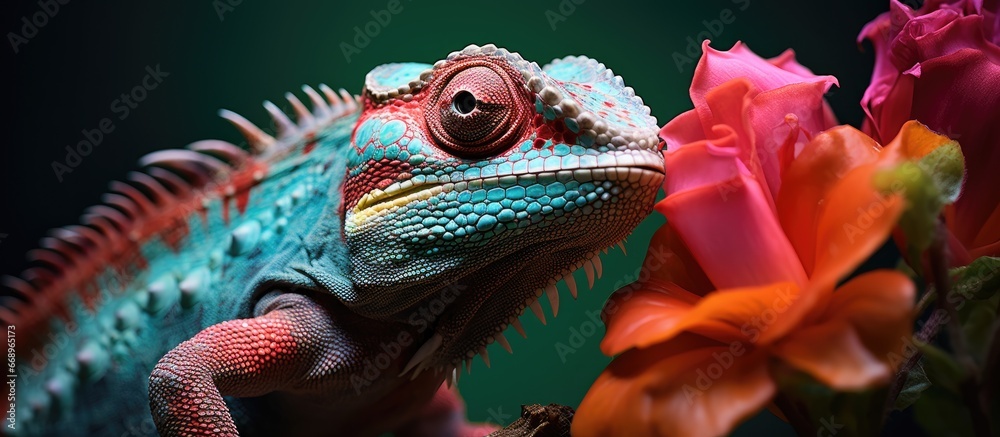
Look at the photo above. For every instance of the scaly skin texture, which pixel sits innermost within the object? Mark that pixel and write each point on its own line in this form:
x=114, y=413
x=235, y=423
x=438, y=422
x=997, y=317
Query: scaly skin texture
x=330, y=281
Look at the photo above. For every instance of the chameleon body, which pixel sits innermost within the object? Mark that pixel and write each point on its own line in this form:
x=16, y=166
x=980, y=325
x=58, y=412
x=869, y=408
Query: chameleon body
x=329, y=281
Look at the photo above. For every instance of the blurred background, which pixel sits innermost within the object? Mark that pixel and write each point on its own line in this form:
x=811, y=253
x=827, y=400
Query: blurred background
x=70, y=73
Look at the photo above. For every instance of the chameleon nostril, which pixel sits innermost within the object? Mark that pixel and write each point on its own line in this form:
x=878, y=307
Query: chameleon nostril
x=464, y=102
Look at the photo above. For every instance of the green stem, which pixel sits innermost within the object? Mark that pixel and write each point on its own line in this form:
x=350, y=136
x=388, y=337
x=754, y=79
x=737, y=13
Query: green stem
x=927, y=334
x=969, y=387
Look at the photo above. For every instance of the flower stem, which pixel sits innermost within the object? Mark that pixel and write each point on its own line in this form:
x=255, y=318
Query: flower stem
x=969, y=387
x=927, y=334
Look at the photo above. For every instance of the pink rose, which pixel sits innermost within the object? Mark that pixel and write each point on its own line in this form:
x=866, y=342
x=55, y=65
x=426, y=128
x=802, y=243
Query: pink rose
x=940, y=65
x=782, y=108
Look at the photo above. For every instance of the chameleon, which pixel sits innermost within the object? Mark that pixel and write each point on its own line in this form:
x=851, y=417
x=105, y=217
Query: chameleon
x=333, y=276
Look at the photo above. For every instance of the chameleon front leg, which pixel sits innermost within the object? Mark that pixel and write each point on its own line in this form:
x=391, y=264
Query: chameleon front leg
x=248, y=357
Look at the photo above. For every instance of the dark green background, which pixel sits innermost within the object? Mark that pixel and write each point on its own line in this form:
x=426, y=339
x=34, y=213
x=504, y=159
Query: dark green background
x=67, y=76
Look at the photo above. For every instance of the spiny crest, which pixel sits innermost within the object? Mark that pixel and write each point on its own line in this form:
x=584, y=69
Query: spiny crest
x=423, y=358
x=324, y=111
x=155, y=202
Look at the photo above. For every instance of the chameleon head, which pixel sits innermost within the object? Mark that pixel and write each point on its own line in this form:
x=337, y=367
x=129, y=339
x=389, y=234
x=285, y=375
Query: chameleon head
x=475, y=183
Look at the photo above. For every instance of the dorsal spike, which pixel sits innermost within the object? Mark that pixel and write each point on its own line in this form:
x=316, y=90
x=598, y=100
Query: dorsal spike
x=320, y=108
x=123, y=203
x=158, y=193
x=171, y=181
x=286, y=127
x=331, y=96
x=51, y=257
x=258, y=140
x=224, y=150
x=302, y=115
x=121, y=221
x=349, y=100
x=134, y=195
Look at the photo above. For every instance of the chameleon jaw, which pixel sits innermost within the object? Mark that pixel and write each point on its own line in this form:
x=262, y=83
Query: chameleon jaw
x=395, y=195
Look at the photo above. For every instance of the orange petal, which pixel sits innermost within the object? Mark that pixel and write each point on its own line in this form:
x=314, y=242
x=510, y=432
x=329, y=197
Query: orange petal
x=855, y=220
x=644, y=314
x=833, y=354
x=687, y=387
x=914, y=141
x=809, y=178
x=661, y=312
x=879, y=305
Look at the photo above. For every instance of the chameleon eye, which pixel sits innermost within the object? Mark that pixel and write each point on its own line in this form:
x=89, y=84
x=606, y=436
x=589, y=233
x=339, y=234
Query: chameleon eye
x=464, y=102
x=478, y=112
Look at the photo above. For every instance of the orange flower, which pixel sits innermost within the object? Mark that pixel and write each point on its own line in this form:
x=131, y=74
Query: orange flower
x=699, y=339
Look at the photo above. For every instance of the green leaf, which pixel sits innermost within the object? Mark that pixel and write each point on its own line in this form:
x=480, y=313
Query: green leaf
x=942, y=413
x=927, y=184
x=923, y=203
x=941, y=369
x=916, y=383
x=978, y=280
x=946, y=166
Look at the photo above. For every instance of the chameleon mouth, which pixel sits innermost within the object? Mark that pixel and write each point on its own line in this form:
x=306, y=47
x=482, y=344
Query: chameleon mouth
x=633, y=166
x=395, y=195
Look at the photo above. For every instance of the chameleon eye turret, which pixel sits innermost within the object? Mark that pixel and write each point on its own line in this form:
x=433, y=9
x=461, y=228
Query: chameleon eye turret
x=478, y=109
x=491, y=174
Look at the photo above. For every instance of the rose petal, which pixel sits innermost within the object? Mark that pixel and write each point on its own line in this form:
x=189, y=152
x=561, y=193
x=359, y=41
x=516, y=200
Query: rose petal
x=717, y=67
x=772, y=113
x=879, y=305
x=660, y=312
x=809, y=179
x=833, y=354
x=689, y=387
x=855, y=220
x=723, y=216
